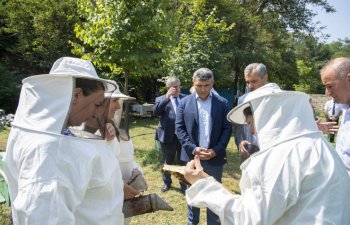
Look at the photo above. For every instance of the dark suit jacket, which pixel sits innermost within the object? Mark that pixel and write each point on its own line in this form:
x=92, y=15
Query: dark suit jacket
x=166, y=127
x=187, y=128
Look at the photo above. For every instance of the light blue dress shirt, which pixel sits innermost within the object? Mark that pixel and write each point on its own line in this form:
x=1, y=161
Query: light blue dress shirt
x=204, y=111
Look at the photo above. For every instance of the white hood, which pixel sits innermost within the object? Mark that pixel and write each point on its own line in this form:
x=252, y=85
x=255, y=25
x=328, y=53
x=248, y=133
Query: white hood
x=295, y=178
x=44, y=103
x=45, y=100
x=54, y=178
x=278, y=115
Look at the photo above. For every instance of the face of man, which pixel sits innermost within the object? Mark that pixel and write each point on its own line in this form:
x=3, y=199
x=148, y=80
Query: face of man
x=174, y=89
x=254, y=81
x=114, y=105
x=84, y=107
x=104, y=113
x=203, y=87
x=335, y=87
x=250, y=121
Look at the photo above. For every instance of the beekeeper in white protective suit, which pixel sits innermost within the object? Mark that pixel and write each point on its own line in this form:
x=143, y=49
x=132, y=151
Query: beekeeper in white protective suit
x=132, y=174
x=123, y=146
x=54, y=176
x=296, y=177
x=129, y=167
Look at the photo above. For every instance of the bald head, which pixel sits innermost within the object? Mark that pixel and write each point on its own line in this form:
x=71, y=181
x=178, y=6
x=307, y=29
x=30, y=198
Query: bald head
x=341, y=67
x=255, y=75
x=335, y=76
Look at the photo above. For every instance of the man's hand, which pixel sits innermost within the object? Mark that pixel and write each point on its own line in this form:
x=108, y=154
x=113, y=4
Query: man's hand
x=110, y=132
x=243, y=151
x=204, y=153
x=171, y=92
x=129, y=192
x=207, y=154
x=327, y=127
x=194, y=170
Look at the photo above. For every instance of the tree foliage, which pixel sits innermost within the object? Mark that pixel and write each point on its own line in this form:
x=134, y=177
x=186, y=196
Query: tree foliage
x=202, y=39
x=141, y=42
x=128, y=37
x=40, y=30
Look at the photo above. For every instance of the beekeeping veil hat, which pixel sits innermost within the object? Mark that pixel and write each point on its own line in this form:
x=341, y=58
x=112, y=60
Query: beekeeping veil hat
x=236, y=115
x=79, y=68
x=118, y=94
x=121, y=117
x=41, y=157
x=45, y=100
x=278, y=115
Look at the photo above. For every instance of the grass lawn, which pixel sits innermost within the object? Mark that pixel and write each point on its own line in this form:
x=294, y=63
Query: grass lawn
x=142, y=131
x=150, y=161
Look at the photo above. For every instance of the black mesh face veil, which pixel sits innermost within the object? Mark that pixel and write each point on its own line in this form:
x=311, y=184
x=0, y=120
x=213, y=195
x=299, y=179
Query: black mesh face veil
x=96, y=125
x=121, y=120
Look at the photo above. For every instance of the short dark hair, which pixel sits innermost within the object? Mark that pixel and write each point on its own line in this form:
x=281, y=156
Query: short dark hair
x=88, y=86
x=247, y=111
x=203, y=74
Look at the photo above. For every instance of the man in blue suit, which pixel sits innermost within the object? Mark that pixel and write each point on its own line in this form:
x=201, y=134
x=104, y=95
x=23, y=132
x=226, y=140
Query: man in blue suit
x=203, y=130
x=165, y=107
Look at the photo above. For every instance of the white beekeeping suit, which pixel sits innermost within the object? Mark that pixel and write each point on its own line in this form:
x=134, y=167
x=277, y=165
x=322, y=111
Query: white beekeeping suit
x=125, y=152
x=54, y=178
x=296, y=177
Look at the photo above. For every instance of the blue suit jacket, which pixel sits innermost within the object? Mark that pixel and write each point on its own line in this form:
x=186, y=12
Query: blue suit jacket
x=166, y=127
x=187, y=128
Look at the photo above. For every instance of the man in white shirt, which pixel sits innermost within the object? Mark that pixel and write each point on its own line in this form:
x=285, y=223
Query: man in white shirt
x=203, y=130
x=335, y=76
x=255, y=75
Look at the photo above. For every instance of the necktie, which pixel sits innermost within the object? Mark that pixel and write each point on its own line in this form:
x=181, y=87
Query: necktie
x=333, y=110
x=176, y=102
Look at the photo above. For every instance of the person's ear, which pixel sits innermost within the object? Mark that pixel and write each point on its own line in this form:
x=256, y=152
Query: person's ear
x=348, y=76
x=266, y=78
x=76, y=94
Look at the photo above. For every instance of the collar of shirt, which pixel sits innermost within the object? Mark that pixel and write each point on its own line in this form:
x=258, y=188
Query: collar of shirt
x=209, y=97
x=346, y=113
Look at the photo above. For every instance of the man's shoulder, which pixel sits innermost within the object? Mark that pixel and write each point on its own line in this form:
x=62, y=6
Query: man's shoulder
x=182, y=95
x=160, y=97
x=241, y=98
x=329, y=102
x=219, y=98
x=188, y=98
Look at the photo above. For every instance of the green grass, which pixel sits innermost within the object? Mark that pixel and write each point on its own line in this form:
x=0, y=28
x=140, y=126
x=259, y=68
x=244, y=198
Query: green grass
x=150, y=160
x=5, y=212
x=142, y=131
x=3, y=138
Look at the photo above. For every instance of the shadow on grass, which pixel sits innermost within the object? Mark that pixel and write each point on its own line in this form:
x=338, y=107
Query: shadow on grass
x=152, y=158
x=145, y=122
x=231, y=168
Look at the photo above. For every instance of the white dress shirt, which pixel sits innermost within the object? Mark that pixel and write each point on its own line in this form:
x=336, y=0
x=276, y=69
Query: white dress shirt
x=204, y=111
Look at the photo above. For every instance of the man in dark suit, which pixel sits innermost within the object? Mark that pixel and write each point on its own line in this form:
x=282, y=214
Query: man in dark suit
x=203, y=130
x=165, y=107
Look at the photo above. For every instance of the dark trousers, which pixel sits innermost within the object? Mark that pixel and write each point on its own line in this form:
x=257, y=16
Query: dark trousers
x=171, y=151
x=193, y=212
